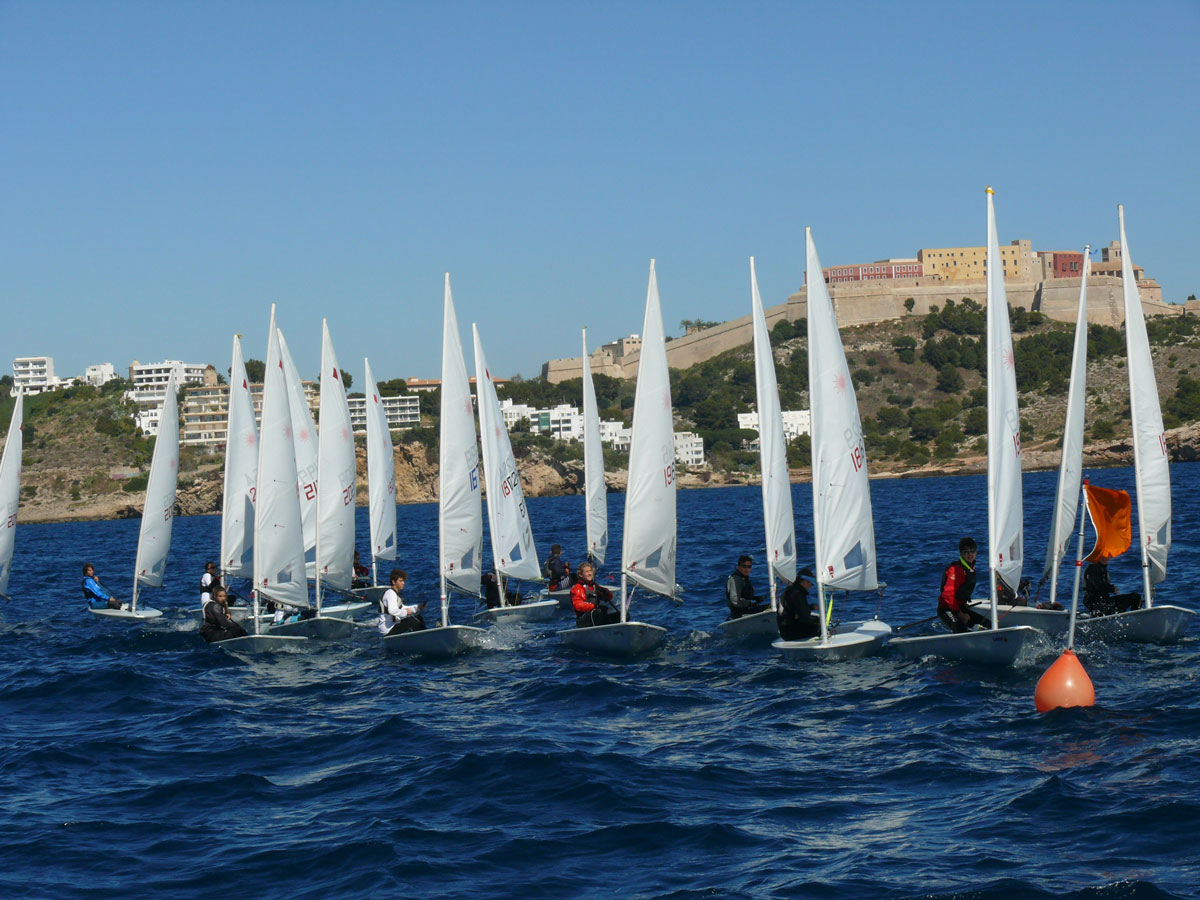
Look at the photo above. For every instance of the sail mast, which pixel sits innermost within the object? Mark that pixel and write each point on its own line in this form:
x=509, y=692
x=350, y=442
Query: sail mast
x=1066, y=497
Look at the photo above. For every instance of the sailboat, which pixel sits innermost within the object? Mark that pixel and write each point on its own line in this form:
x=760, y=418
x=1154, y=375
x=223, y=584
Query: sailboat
x=241, y=470
x=776, y=485
x=1070, y=473
x=595, y=491
x=336, y=487
x=158, y=512
x=460, y=513
x=648, y=550
x=10, y=489
x=514, y=554
x=381, y=485
x=1164, y=623
x=304, y=440
x=278, y=571
x=843, y=524
x=996, y=645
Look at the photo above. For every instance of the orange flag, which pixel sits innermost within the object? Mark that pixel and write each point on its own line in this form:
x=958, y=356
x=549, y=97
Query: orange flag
x=1110, y=515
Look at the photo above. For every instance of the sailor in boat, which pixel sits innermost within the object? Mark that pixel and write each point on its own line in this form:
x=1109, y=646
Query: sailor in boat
x=1005, y=596
x=218, y=626
x=96, y=594
x=739, y=593
x=361, y=573
x=395, y=617
x=958, y=583
x=491, y=592
x=592, y=602
x=212, y=579
x=286, y=615
x=556, y=569
x=797, y=617
x=1100, y=596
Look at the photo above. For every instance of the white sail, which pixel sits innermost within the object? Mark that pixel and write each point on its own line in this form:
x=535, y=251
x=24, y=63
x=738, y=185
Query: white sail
x=648, y=550
x=158, y=515
x=304, y=436
x=843, y=527
x=595, y=492
x=513, y=552
x=337, y=479
x=772, y=447
x=1005, y=524
x=1070, y=469
x=1150, y=461
x=10, y=488
x=381, y=473
x=460, y=509
x=241, y=469
x=278, y=529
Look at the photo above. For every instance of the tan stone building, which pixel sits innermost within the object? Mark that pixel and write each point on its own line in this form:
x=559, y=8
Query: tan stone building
x=970, y=263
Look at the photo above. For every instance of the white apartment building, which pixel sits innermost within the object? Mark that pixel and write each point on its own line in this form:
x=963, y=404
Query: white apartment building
x=401, y=412
x=204, y=414
x=99, y=374
x=689, y=448
x=563, y=422
x=34, y=374
x=150, y=380
x=795, y=422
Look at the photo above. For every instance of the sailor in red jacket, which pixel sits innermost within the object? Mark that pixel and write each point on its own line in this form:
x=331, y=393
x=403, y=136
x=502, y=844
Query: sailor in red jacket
x=958, y=583
x=592, y=603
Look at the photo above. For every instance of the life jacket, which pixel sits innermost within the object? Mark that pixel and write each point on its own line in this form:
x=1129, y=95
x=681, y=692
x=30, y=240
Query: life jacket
x=963, y=583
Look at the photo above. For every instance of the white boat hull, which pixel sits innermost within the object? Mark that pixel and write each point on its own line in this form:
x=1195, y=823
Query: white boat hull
x=142, y=612
x=350, y=608
x=444, y=640
x=325, y=627
x=563, y=598
x=757, y=625
x=260, y=643
x=999, y=647
x=536, y=611
x=1157, y=625
x=850, y=641
x=1053, y=622
x=618, y=639
x=371, y=595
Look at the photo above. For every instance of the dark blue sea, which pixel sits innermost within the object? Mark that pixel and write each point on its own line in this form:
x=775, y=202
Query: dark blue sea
x=135, y=761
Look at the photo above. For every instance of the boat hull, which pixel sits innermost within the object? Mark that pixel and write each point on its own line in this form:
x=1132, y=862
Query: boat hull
x=537, y=611
x=618, y=639
x=851, y=641
x=370, y=595
x=761, y=625
x=1157, y=625
x=442, y=641
x=262, y=643
x=563, y=598
x=350, y=608
x=1053, y=622
x=142, y=612
x=323, y=627
x=999, y=647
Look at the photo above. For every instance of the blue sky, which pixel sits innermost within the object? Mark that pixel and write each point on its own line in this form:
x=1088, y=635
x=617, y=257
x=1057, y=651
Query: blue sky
x=169, y=169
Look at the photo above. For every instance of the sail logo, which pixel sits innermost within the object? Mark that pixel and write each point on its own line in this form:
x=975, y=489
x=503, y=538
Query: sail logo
x=669, y=475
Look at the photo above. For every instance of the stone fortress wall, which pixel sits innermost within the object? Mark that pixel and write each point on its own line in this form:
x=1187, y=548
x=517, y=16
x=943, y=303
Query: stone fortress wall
x=861, y=303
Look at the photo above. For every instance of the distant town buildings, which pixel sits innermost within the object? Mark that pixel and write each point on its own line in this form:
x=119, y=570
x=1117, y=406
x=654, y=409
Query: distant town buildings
x=149, y=381
x=99, y=374
x=401, y=412
x=565, y=423
x=34, y=374
x=204, y=412
x=795, y=422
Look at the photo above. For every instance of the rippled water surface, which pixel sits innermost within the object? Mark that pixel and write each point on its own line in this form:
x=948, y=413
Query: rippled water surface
x=137, y=761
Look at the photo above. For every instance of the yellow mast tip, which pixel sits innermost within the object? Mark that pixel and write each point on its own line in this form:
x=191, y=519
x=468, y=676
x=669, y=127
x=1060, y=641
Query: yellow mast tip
x=989, y=189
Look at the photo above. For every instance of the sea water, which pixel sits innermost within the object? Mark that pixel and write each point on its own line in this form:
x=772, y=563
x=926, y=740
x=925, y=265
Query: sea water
x=136, y=761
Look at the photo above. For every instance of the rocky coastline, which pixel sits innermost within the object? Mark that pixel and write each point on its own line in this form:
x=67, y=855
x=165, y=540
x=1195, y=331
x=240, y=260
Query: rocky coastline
x=544, y=476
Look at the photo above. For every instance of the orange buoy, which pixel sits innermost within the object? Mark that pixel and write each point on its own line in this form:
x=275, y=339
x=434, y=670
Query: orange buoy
x=1064, y=684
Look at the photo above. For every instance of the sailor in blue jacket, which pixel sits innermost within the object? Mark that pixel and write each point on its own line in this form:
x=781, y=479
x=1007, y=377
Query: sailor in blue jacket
x=96, y=594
